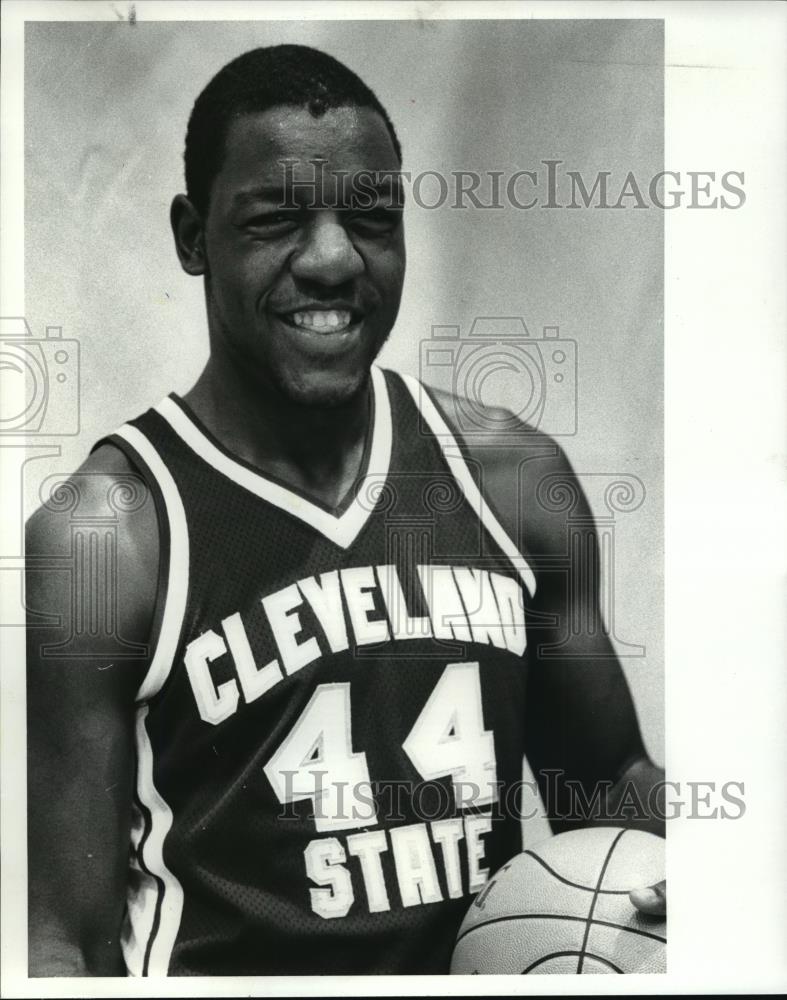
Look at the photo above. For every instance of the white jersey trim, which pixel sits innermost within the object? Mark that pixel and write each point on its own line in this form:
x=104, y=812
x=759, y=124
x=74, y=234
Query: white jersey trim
x=460, y=471
x=155, y=902
x=155, y=906
x=178, y=570
x=341, y=529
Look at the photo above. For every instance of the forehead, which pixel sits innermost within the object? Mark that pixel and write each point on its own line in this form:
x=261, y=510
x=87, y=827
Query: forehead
x=353, y=139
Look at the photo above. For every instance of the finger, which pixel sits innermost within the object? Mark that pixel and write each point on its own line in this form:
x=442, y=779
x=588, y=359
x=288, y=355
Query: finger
x=651, y=900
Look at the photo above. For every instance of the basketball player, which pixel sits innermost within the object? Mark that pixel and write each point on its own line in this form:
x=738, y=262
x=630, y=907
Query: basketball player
x=308, y=769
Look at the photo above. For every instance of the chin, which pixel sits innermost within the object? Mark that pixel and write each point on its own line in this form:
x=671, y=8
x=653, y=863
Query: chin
x=324, y=389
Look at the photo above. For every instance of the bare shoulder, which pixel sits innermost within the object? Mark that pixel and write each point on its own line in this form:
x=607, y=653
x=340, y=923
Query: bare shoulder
x=91, y=579
x=518, y=467
x=492, y=428
x=106, y=504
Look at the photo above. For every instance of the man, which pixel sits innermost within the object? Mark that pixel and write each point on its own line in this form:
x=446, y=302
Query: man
x=345, y=653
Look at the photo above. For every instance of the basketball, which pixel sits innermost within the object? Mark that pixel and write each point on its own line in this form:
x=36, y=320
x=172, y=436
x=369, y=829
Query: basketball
x=563, y=907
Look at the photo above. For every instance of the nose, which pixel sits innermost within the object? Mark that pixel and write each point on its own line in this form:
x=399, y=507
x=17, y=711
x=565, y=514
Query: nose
x=327, y=255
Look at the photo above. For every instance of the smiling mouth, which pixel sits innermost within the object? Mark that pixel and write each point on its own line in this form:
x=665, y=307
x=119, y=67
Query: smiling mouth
x=325, y=321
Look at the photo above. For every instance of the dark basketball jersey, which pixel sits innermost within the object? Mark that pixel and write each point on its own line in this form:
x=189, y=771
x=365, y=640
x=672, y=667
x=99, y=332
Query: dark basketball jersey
x=333, y=714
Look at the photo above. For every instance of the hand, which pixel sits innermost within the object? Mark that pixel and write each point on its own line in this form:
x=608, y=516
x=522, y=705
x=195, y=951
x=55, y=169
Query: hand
x=651, y=900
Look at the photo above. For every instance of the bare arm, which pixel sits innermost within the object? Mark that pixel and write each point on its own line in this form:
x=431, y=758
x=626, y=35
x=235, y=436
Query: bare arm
x=583, y=738
x=581, y=717
x=80, y=724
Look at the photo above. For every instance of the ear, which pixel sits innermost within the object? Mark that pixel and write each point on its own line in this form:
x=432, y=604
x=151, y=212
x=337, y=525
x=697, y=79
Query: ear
x=189, y=233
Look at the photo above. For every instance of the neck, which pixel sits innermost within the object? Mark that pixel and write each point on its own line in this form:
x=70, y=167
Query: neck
x=318, y=450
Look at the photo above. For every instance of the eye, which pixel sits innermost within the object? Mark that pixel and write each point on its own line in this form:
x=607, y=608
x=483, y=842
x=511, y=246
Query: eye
x=375, y=221
x=271, y=224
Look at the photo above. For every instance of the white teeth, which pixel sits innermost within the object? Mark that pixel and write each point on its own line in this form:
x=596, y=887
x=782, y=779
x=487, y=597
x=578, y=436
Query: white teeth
x=322, y=319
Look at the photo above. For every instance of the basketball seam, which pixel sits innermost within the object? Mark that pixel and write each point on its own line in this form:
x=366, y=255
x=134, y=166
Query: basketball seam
x=575, y=885
x=562, y=954
x=589, y=922
x=559, y=916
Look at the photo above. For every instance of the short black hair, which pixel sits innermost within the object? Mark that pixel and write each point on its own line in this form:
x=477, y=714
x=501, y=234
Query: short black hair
x=264, y=78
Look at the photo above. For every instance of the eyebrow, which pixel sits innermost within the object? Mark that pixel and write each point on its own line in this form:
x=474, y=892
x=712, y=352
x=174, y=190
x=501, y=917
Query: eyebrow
x=374, y=182
x=266, y=192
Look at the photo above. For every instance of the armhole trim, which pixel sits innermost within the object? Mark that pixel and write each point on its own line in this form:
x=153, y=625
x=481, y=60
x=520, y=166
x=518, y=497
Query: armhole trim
x=155, y=905
x=174, y=550
x=452, y=454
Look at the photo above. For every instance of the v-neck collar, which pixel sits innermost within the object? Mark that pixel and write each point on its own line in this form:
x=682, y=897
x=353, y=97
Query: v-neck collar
x=341, y=527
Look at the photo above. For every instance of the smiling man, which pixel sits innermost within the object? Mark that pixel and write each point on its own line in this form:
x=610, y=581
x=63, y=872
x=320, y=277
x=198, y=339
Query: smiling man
x=307, y=768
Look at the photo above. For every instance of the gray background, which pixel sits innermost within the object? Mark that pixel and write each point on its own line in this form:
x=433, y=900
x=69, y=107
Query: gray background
x=106, y=107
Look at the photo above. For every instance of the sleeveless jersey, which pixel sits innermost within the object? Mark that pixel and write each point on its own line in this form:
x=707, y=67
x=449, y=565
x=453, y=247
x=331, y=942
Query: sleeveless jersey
x=332, y=719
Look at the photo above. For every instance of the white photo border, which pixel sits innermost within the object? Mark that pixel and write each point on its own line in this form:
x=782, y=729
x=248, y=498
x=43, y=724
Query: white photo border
x=726, y=581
